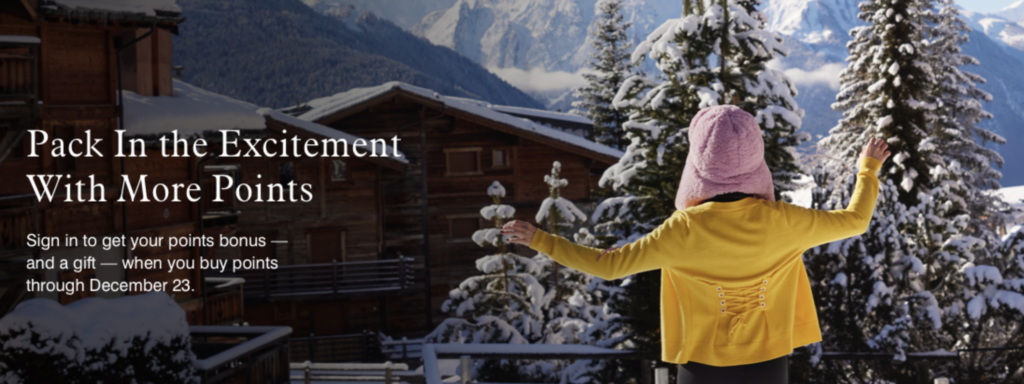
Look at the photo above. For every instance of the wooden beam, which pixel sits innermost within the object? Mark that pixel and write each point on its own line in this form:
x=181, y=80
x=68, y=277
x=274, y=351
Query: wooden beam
x=30, y=9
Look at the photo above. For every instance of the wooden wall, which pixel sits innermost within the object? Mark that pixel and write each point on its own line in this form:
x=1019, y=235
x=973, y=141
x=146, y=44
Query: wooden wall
x=77, y=84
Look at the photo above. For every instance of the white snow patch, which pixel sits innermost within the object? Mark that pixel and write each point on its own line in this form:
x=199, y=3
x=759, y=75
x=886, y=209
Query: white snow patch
x=190, y=110
x=148, y=7
x=536, y=79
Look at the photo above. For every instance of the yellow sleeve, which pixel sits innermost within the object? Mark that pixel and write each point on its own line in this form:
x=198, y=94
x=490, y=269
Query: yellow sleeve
x=656, y=250
x=820, y=227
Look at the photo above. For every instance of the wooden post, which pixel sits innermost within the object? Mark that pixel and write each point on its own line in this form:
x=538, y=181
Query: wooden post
x=310, y=346
x=660, y=375
x=387, y=373
x=334, y=277
x=405, y=348
x=645, y=372
x=308, y=375
x=464, y=369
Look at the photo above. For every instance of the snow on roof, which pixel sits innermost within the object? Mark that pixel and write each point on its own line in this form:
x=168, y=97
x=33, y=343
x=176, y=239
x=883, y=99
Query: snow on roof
x=190, y=110
x=326, y=106
x=18, y=39
x=96, y=322
x=148, y=7
x=541, y=113
x=331, y=133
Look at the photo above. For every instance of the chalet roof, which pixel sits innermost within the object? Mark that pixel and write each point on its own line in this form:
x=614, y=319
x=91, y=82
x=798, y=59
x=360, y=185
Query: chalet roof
x=140, y=10
x=325, y=107
x=190, y=109
x=400, y=161
x=1015, y=197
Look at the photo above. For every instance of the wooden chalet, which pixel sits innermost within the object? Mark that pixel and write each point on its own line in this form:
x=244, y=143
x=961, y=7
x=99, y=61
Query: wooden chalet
x=63, y=66
x=456, y=148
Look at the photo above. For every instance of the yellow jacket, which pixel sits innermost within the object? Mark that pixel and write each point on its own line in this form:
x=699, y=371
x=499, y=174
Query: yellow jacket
x=733, y=286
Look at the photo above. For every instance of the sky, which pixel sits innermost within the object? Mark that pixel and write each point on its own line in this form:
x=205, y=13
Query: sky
x=987, y=6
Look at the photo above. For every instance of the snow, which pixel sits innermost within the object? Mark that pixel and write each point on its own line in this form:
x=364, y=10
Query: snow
x=541, y=113
x=91, y=325
x=326, y=106
x=332, y=133
x=19, y=39
x=1015, y=197
x=267, y=335
x=148, y=7
x=496, y=190
x=190, y=110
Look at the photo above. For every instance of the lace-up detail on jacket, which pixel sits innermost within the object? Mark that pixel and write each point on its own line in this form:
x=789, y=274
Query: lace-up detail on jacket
x=740, y=304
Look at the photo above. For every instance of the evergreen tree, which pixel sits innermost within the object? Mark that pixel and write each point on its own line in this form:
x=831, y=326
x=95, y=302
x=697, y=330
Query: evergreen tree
x=958, y=111
x=716, y=53
x=885, y=93
x=611, y=66
x=930, y=274
x=503, y=305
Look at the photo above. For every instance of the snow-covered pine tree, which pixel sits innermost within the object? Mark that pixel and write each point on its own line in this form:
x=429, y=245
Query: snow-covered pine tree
x=966, y=162
x=574, y=303
x=716, y=53
x=924, y=276
x=611, y=66
x=502, y=305
x=885, y=93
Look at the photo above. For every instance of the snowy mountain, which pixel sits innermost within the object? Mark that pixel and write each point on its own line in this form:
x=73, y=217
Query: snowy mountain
x=277, y=53
x=526, y=40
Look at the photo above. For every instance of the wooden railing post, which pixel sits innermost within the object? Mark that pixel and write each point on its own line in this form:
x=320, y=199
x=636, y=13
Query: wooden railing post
x=334, y=276
x=464, y=369
x=387, y=372
x=312, y=352
x=405, y=348
x=308, y=374
x=660, y=375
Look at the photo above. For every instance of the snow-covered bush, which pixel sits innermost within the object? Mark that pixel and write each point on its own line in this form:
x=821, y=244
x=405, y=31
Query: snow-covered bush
x=133, y=339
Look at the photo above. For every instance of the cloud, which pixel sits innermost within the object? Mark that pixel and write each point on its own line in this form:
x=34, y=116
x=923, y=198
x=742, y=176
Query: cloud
x=539, y=80
x=827, y=74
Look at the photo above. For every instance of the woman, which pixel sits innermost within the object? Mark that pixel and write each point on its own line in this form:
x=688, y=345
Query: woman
x=735, y=298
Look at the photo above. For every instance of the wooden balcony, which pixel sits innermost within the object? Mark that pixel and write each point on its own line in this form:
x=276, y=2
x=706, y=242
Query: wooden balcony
x=241, y=355
x=19, y=79
x=330, y=280
x=224, y=300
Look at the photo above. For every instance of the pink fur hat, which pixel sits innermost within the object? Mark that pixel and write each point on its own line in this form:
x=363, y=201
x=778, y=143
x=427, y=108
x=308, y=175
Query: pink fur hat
x=726, y=155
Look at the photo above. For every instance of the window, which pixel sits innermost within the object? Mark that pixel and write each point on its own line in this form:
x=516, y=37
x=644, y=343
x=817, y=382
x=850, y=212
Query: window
x=501, y=158
x=66, y=163
x=325, y=246
x=463, y=161
x=462, y=227
x=286, y=172
x=339, y=170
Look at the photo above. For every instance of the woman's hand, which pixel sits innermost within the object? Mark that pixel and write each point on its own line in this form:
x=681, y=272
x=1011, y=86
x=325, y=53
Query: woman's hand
x=876, y=150
x=521, y=232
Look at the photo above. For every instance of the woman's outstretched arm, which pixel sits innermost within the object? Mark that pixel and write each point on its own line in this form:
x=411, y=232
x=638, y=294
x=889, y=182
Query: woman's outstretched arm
x=820, y=227
x=658, y=249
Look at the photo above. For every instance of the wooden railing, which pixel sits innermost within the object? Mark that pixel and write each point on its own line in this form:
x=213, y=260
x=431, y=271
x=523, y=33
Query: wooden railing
x=224, y=300
x=337, y=348
x=17, y=76
x=386, y=372
x=467, y=352
x=241, y=355
x=330, y=279
x=402, y=350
